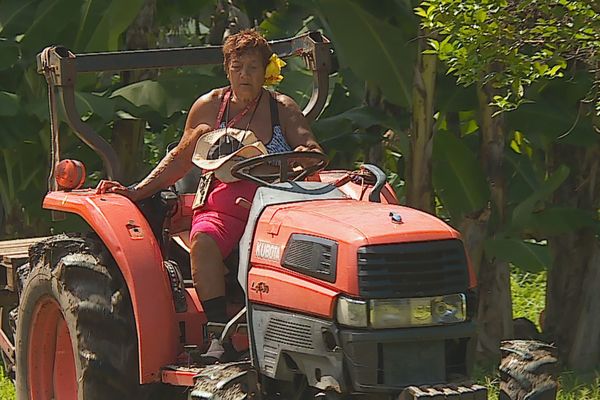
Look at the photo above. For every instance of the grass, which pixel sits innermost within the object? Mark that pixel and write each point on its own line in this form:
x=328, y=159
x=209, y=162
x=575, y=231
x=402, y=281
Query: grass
x=528, y=301
x=7, y=390
x=571, y=386
x=528, y=293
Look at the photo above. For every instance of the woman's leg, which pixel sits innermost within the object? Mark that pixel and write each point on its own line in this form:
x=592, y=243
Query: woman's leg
x=208, y=274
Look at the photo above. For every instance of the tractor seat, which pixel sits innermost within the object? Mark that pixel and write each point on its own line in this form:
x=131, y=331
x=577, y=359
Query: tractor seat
x=189, y=183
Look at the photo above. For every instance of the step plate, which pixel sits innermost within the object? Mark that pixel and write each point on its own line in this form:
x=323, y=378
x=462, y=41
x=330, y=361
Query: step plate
x=443, y=392
x=221, y=381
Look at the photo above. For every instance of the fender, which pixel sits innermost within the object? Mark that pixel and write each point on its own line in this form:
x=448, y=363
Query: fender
x=128, y=237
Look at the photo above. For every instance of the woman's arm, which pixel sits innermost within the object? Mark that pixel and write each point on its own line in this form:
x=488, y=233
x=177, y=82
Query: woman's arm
x=168, y=171
x=176, y=163
x=295, y=126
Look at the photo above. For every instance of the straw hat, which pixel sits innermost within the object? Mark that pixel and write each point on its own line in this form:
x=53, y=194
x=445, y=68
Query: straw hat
x=218, y=150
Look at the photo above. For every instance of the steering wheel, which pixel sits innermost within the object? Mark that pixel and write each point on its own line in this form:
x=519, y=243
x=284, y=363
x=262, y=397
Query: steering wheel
x=243, y=169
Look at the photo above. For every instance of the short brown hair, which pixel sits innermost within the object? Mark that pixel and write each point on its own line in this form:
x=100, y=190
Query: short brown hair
x=244, y=41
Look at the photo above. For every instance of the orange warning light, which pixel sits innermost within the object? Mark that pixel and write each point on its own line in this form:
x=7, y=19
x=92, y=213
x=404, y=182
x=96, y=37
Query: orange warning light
x=70, y=174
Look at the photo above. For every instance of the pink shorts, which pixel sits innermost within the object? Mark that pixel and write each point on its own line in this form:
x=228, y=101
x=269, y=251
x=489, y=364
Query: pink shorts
x=220, y=217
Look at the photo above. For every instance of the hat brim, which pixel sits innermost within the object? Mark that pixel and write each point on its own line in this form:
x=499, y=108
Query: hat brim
x=247, y=151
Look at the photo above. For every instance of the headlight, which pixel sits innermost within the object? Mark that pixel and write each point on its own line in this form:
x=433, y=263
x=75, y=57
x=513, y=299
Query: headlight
x=399, y=313
x=352, y=312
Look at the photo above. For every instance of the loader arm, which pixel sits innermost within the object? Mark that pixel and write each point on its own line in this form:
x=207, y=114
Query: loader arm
x=61, y=67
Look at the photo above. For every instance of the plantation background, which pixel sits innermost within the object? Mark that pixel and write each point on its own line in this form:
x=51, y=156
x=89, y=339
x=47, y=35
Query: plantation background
x=484, y=112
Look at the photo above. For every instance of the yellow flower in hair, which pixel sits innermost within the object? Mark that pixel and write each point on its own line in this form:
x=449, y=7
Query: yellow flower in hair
x=273, y=71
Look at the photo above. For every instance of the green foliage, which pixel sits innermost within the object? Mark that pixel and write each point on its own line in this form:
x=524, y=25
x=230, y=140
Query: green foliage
x=457, y=176
x=523, y=211
x=114, y=19
x=285, y=21
x=511, y=44
x=26, y=27
x=380, y=53
x=558, y=113
x=9, y=104
x=7, y=389
x=527, y=256
x=575, y=387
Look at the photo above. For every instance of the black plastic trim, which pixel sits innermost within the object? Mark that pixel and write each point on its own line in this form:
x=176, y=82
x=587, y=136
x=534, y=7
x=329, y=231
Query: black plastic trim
x=315, y=257
x=388, y=361
x=459, y=330
x=288, y=343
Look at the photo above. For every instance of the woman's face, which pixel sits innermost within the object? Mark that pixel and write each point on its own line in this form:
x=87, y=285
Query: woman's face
x=246, y=74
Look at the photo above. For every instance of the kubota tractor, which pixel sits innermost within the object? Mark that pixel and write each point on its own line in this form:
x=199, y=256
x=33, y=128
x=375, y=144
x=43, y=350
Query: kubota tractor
x=339, y=293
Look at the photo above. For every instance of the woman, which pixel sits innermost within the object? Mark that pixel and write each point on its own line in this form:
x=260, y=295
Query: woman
x=278, y=123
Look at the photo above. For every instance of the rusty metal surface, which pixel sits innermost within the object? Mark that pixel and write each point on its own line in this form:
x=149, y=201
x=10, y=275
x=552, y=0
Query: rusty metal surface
x=312, y=45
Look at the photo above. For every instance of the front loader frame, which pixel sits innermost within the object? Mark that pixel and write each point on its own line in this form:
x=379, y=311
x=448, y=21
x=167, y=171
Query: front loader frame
x=61, y=67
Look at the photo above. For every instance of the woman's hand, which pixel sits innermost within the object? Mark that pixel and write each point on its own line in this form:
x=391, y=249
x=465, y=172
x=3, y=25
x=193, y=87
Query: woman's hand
x=116, y=187
x=306, y=148
x=306, y=162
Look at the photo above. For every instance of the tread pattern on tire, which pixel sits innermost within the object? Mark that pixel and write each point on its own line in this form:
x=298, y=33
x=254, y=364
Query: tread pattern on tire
x=96, y=305
x=528, y=370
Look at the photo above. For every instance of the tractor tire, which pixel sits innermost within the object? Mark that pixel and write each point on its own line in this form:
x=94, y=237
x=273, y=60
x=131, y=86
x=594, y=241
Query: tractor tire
x=528, y=371
x=76, y=336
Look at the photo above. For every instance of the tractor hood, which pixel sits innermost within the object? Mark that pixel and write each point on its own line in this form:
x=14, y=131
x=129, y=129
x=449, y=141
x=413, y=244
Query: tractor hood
x=309, y=252
x=360, y=223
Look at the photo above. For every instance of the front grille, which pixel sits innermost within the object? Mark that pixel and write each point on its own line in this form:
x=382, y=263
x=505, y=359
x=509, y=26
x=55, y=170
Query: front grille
x=289, y=333
x=412, y=269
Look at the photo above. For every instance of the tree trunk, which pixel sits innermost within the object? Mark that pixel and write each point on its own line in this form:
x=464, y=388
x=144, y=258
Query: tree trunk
x=453, y=123
x=419, y=186
x=128, y=135
x=128, y=142
x=376, y=152
x=495, y=303
x=226, y=20
x=573, y=289
x=141, y=35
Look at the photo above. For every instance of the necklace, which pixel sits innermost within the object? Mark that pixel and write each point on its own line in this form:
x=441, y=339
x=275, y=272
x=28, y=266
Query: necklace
x=224, y=109
x=225, y=139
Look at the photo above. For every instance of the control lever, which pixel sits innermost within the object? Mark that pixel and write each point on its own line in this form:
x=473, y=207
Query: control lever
x=380, y=180
x=242, y=202
x=168, y=200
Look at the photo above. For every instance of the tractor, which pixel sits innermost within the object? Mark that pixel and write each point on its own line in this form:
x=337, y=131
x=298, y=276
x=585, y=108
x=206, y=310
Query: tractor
x=336, y=291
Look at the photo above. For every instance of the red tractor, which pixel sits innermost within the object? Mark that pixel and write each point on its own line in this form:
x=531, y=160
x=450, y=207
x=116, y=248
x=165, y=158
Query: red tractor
x=339, y=293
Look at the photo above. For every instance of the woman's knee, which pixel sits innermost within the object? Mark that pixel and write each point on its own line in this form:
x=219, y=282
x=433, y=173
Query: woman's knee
x=205, y=254
x=203, y=242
